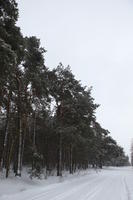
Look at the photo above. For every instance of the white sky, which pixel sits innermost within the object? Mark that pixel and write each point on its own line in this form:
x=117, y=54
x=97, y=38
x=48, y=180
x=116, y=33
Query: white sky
x=95, y=37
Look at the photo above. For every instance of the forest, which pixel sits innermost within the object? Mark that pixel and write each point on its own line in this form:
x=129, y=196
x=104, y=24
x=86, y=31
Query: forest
x=47, y=117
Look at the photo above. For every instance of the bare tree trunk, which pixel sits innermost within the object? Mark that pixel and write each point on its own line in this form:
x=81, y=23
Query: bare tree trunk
x=23, y=140
x=34, y=131
x=34, y=141
x=59, y=164
x=71, y=159
x=2, y=162
x=59, y=153
x=60, y=156
x=46, y=158
x=9, y=157
x=19, y=163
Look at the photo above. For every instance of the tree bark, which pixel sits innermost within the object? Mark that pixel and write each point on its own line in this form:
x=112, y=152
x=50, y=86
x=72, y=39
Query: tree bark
x=71, y=160
x=34, y=140
x=59, y=164
x=3, y=161
x=19, y=163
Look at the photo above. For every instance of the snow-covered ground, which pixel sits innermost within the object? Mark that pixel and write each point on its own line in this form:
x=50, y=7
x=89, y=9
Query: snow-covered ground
x=108, y=184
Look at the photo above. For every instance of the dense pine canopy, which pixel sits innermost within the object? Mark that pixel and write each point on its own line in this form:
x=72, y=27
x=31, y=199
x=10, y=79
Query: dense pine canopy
x=47, y=117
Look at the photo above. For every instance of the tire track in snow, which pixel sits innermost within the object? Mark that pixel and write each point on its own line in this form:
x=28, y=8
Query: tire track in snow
x=111, y=184
x=76, y=192
x=54, y=191
x=127, y=189
x=99, y=189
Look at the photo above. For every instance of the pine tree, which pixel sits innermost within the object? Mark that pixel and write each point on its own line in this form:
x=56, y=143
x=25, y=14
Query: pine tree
x=11, y=42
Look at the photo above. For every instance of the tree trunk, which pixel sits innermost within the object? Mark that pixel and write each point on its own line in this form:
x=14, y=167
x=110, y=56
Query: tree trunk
x=59, y=154
x=34, y=140
x=23, y=140
x=19, y=163
x=71, y=160
x=9, y=157
x=3, y=161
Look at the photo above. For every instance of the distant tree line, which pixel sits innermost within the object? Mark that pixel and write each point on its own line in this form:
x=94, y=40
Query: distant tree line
x=131, y=152
x=47, y=118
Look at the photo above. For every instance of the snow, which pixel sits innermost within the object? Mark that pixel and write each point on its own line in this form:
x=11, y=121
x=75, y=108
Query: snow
x=107, y=184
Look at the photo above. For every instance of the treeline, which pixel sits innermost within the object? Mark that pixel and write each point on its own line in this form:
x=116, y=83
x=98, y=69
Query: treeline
x=47, y=118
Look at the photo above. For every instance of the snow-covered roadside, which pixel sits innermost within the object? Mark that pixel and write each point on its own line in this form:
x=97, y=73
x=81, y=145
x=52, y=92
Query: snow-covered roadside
x=109, y=184
x=14, y=185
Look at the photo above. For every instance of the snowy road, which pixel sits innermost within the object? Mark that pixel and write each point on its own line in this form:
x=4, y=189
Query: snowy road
x=109, y=184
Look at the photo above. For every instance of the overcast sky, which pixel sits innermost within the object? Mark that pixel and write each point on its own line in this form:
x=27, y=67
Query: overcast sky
x=95, y=37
